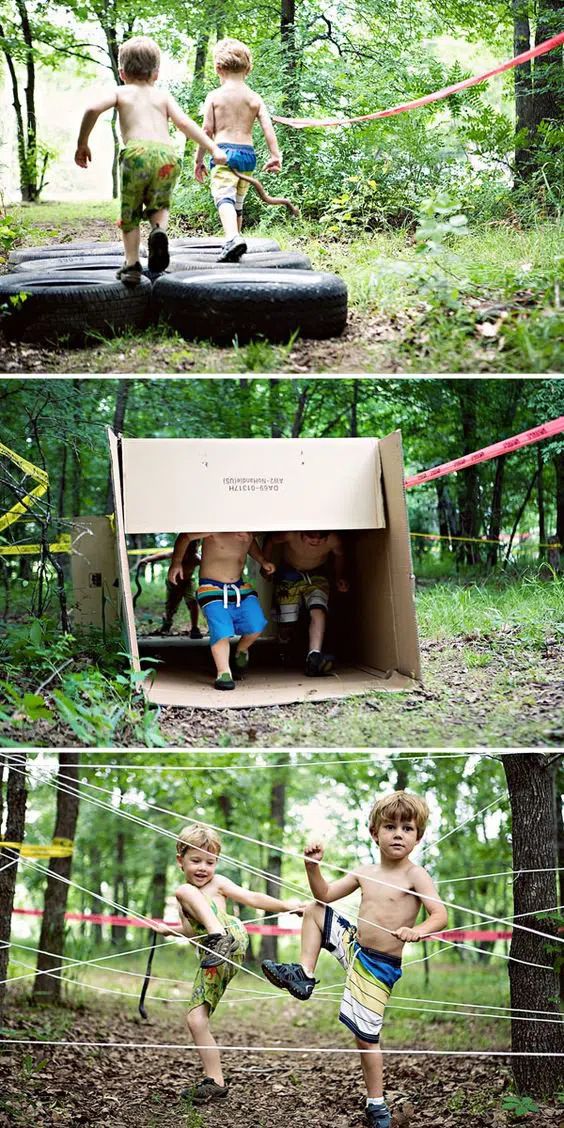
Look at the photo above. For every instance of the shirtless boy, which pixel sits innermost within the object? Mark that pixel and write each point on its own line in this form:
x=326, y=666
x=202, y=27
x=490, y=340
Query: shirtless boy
x=229, y=115
x=149, y=164
x=222, y=942
x=392, y=894
x=230, y=604
x=182, y=589
x=303, y=577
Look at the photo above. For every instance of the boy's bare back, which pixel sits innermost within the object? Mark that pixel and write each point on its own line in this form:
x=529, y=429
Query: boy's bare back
x=143, y=112
x=231, y=111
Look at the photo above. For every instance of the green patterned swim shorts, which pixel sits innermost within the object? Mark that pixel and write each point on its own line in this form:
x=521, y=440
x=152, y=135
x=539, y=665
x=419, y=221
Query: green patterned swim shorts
x=149, y=171
x=210, y=982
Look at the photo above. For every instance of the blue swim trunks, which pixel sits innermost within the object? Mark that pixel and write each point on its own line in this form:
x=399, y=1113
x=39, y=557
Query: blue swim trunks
x=230, y=608
x=226, y=187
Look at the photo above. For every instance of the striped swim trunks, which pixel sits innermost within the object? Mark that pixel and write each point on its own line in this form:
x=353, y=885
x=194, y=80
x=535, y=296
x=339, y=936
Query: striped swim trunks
x=230, y=609
x=369, y=981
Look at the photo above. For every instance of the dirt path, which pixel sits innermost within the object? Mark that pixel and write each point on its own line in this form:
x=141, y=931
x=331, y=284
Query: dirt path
x=50, y=1087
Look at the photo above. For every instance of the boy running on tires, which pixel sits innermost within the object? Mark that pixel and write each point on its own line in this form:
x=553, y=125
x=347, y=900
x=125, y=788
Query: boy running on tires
x=230, y=113
x=303, y=577
x=391, y=896
x=149, y=164
x=222, y=944
x=230, y=604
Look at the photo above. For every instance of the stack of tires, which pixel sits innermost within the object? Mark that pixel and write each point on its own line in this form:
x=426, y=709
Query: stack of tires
x=70, y=294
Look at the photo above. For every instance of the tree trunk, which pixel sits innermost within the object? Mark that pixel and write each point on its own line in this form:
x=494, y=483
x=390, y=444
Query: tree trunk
x=120, y=890
x=559, y=790
x=52, y=939
x=540, y=506
x=495, y=515
x=76, y=468
x=523, y=89
x=14, y=832
x=122, y=395
x=269, y=944
x=468, y=481
x=532, y=797
x=96, y=887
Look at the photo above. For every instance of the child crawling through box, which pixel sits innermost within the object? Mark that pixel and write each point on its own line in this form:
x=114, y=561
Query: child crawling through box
x=229, y=603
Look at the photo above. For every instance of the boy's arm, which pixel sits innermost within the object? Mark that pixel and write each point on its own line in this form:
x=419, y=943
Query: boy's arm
x=83, y=155
x=274, y=163
x=340, y=561
x=436, y=912
x=258, y=900
x=267, y=567
x=326, y=891
x=208, y=126
x=190, y=129
x=180, y=545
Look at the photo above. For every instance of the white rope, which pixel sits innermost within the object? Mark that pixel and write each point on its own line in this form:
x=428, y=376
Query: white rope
x=500, y=873
x=13, y=862
x=408, y=753
x=272, y=1049
x=332, y=866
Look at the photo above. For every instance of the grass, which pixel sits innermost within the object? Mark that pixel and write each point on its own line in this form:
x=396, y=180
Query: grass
x=487, y=302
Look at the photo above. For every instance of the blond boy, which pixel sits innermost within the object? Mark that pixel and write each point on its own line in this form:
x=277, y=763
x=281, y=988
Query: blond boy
x=392, y=894
x=221, y=942
x=230, y=113
x=149, y=164
x=229, y=603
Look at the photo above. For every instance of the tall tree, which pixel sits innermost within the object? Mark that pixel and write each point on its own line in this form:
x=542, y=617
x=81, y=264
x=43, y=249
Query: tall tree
x=13, y=831
x=52, y=938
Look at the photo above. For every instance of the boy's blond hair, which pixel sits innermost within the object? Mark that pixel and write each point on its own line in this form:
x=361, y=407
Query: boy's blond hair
x=200, y=836
x=139, y=57
x=399, y=804
x=232, y=55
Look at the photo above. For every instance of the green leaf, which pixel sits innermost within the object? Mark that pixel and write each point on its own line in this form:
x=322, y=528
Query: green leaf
x=35, y=708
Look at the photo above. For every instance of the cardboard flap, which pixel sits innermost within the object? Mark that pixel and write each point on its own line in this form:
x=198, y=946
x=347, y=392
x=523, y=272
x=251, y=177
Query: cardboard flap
x=228, y=485
x=94, y=573
x=399, y=564
x=122, y=560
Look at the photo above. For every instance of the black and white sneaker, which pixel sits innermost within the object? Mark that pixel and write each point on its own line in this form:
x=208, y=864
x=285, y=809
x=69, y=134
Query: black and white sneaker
x=233, y=249
x=217, y=947
x=378, y=1116
x=205, y=1092
x=130, y=275
x=290, y=977
x=158, y=254
x=318, y=664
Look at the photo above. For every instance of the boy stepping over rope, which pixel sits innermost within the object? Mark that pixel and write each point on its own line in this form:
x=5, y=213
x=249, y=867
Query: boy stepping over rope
x=149, y=164
x=229, y=115
x=303, y=577
x=230, y=604
x=391, y=896
x=222, y=943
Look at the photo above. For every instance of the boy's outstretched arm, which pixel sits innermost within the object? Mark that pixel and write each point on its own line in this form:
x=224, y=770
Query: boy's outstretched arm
x=208, y=126
x=274, y=163
x=180, y=545
x=340, y=565
x=83, y=155
x=259, y=900
x=266, y=566
x=436, y=912
x=190, y=129
x=326, y=891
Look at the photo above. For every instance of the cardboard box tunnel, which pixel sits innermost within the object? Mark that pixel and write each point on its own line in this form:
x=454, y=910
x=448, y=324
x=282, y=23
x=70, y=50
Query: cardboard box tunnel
x=354, y=486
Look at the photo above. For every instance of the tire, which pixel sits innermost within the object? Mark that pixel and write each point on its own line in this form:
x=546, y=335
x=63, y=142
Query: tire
x=273, y=260
x=249, y=303
x=64, y=250
x=108, y=263
x=213, y=245
x=73, y=306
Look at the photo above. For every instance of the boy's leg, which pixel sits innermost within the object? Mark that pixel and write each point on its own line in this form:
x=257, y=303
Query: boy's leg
x=249, y=623
x=299, y=979
x=157, y=243
x=377, y=1112
x=192, y=605
x=206, y=1046
x=312, y=935
x=131, y=243
x=200, y=908
x=317, y=622
x=174, y=593
x=241, y=658
x=228, y=217
x=220, y=653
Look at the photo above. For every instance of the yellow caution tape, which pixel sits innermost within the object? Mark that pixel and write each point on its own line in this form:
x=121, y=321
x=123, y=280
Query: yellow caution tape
x=62, y=545
x=59, y=848
x=484, y=540
x=23, y=507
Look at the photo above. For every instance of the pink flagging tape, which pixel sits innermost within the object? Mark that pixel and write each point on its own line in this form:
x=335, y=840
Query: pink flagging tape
x=261, y=929
x=506, y=446
x=517, y=61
